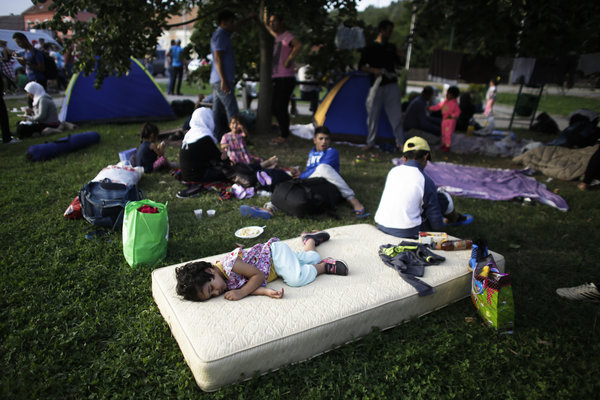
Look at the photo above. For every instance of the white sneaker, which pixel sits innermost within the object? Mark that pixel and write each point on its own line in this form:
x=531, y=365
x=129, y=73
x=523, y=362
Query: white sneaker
x=585, y=292
x=14, y=140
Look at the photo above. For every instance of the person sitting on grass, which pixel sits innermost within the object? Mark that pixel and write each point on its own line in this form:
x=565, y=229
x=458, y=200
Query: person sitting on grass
x=150, y=155
x=41, y=115
x=324, y=162
x=234, y=144
x=410, y=201
x=246, y=272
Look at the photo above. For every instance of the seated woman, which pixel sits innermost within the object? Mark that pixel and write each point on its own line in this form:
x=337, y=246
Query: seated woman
x=200, y=158
x=42, y=115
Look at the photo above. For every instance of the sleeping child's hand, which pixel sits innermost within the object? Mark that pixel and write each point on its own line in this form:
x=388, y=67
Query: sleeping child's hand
x=234, y=295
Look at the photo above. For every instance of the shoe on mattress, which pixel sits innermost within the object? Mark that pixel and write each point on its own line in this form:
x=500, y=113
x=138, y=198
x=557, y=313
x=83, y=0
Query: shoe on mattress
x=319, y=237
x=335, y=267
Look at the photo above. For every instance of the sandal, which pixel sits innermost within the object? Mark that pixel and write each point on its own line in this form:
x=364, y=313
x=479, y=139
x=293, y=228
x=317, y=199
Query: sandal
x=362, y=213
x=255, y=212
x=319, y=237
x=335, y=267
x=464, y=219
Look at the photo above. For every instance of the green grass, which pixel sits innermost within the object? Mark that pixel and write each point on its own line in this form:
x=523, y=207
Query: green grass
x=77, y=322
x=554, y=104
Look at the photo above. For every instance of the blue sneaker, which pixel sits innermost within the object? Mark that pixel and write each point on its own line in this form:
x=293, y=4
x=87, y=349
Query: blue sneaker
x=254, y=212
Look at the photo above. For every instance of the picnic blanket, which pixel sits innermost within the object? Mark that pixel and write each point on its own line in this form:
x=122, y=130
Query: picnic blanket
x=558, y=162
x=498, y=144
x=491, y=184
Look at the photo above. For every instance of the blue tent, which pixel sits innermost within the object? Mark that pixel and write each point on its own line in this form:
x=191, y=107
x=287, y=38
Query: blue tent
x=343, y=111
x=131, y=97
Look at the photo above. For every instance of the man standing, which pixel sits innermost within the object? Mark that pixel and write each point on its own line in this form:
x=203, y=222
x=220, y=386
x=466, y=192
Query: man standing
x=285, y=50
x=380, y=59
x=174, y=54
x=223, y=71
x=32, y=60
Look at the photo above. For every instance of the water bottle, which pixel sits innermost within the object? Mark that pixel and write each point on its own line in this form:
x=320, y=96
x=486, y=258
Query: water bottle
x=450, y=245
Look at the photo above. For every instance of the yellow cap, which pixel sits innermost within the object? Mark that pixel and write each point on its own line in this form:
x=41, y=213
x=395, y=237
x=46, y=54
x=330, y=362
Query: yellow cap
x=416, y=143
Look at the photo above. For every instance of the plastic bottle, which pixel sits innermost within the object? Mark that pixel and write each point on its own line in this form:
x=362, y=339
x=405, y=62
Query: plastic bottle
x=450, y=245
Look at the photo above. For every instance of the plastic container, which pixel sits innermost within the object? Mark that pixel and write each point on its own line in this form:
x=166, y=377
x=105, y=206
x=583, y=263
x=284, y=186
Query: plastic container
x=198, y=213
x=210, y=213
x=432, y=238
x=450, y=245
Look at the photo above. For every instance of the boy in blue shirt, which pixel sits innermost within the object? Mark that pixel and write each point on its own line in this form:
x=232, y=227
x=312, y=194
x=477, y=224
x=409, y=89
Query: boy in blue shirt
x=324, y=162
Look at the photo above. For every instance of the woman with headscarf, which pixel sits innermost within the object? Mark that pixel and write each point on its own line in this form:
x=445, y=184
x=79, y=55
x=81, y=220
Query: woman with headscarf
x=200, y=158
x=42, y=115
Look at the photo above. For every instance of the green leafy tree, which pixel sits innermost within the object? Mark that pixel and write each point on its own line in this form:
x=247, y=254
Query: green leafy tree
x=124, y=28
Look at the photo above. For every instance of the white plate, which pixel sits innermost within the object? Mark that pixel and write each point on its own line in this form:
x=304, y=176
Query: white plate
x=249, y=232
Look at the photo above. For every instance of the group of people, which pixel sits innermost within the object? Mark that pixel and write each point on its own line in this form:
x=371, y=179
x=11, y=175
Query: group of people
x=410, y=203
x=41, y=112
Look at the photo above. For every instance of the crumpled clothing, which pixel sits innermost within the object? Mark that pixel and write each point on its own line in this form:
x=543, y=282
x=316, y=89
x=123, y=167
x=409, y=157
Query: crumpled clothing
x=409, y=259
x=242, y=192
x=146, y=209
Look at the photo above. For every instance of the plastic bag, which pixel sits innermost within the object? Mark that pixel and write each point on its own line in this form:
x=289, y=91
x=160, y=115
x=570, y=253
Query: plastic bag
x=145, y=235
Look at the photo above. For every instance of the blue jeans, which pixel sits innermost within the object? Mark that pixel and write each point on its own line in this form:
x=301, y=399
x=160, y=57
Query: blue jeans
x=224, y=106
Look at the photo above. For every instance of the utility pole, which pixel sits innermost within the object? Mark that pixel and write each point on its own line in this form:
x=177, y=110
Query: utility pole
x=411, y=34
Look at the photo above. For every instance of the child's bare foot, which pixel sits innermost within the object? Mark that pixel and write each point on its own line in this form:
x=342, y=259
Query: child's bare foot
x=582, y=186
x=270, y=163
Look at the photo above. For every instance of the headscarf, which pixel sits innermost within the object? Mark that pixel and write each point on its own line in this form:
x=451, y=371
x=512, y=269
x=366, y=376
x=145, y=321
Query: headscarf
x=201, y=124
x=36, y=90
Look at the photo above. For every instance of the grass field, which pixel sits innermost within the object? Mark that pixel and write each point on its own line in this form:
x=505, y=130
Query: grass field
x=77, y=322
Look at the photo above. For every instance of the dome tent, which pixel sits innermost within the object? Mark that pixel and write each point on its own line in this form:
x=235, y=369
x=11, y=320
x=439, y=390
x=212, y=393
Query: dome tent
x=344, y=112
x=134, y=96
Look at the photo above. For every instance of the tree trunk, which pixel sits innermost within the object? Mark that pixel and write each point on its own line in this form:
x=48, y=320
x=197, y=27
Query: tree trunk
x=265, y=90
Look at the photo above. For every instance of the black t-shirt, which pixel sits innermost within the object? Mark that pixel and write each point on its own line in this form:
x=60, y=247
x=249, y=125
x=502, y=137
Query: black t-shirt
x=380, y=55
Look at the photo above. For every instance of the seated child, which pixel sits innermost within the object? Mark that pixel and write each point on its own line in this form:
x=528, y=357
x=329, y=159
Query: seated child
x=410, y=201
x=324, y=162
x=151, y=155
x=246, y=272
x=234, y=144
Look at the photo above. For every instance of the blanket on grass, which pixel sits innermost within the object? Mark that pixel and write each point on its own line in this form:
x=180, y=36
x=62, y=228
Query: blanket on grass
x=499, y=144
x=558, y=162
x=491, y=184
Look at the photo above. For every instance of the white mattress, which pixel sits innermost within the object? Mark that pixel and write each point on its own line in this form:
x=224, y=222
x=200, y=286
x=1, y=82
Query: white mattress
x=224, y=341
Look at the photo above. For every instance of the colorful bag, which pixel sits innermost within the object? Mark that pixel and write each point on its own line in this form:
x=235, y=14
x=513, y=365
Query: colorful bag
x=491, y=292
x=145, y=234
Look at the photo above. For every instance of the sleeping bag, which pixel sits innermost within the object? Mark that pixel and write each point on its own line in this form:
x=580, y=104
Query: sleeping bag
x=48, y=150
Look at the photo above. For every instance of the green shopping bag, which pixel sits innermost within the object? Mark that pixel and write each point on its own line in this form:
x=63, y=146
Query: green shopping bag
x=492, y=295
x=145, y=234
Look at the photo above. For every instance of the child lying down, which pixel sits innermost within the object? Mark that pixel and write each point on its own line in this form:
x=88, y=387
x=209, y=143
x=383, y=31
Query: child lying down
x=246, y=272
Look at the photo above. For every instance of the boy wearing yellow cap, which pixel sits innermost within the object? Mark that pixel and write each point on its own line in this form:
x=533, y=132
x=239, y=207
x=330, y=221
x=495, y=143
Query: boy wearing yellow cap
x=410, y=201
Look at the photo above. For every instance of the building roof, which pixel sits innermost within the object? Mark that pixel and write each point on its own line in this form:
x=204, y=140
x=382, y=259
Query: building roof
x=12, y=22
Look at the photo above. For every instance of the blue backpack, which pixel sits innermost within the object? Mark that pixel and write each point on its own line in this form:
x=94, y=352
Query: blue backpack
x=103, y=203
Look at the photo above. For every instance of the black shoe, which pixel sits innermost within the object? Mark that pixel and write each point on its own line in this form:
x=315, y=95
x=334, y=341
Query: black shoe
x=193, y=191
x=319, y=237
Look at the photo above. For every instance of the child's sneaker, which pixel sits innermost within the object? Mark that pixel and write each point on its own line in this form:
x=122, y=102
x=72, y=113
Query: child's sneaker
x=335, y=267
x=319, y=237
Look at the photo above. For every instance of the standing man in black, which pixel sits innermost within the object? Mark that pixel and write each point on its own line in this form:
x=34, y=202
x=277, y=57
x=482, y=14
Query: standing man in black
x=380, y=59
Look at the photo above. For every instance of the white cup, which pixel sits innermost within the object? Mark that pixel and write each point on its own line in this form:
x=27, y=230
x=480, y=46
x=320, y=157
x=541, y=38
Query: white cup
x=24, y=108
x=198, y=213
x=210, y=213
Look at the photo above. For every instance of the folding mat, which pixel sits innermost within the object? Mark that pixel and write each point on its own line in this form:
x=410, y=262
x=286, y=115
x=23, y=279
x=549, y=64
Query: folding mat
x=229, y=341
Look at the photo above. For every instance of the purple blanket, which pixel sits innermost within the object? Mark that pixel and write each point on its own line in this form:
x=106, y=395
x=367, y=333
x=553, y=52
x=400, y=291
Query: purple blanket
x=491, y=184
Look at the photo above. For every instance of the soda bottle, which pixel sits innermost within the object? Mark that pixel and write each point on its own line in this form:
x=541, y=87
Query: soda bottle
x=450, y=245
